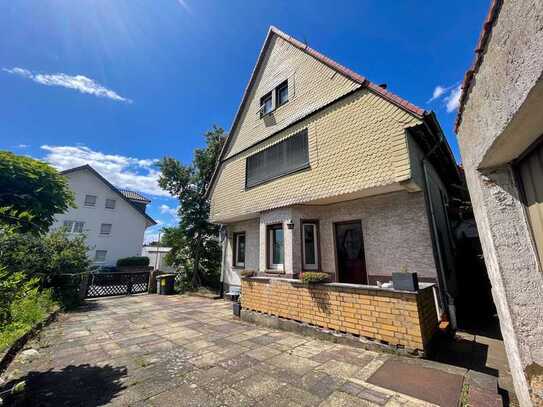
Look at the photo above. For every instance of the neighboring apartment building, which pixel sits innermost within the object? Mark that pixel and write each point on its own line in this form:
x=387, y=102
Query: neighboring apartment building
x=324, y=170
x=113, y=220
x=500, y=131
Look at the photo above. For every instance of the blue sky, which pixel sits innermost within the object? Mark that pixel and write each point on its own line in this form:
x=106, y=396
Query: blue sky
x=121, y=83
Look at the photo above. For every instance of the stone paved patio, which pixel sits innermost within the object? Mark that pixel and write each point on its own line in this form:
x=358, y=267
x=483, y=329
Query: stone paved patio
x=154, y=350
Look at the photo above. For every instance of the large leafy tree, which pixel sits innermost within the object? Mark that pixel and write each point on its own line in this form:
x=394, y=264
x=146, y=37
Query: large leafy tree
x=31, y=193
x=194, y=242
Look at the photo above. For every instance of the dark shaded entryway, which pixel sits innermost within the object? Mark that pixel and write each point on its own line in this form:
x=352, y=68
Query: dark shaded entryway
x=350, y=252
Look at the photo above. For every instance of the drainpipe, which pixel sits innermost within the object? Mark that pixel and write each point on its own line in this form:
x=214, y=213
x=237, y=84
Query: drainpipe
x=223, y=236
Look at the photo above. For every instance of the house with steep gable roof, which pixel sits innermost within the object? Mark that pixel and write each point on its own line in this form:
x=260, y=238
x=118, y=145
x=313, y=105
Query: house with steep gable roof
x=113, y=220
x=326, y=171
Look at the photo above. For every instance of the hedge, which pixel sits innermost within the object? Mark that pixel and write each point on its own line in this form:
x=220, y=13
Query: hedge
x=136, y=261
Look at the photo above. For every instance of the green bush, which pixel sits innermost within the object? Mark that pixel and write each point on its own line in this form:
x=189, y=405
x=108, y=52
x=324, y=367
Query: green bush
x=22, y=304
x=315, y=277
x=135, y=261
x=57, y=260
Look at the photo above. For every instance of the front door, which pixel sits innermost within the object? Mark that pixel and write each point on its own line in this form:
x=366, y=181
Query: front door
x=350, y=253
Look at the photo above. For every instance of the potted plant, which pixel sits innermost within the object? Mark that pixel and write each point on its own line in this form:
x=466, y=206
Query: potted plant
x=404, y=280
x=314, y=277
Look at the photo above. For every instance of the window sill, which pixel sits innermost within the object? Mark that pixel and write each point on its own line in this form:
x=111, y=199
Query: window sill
x=239, y=267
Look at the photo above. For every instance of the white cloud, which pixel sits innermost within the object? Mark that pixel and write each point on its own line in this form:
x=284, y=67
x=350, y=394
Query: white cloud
x=452, y=100
x=165, y=209
x=22, y=146
x=438, y=92
x=450, y=96
x=123, y=172
x=78, y=82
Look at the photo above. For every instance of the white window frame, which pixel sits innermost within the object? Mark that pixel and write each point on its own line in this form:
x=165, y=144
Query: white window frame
x=96, y=259
x=110, y=200
x=237, y=236
x=102, y=229
x=270, y=238
x=74, y=226
x=87, y=203
x=308, y=266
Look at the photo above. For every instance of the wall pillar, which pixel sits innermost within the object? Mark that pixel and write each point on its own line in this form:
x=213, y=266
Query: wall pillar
x=517, y=282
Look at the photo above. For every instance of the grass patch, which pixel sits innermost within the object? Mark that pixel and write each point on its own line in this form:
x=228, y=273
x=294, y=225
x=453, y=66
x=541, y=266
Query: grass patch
x=26, y=311
x=464, y=396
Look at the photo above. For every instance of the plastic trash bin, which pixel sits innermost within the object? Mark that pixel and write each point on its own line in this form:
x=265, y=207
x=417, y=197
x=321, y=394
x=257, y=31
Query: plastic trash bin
x=165, y=283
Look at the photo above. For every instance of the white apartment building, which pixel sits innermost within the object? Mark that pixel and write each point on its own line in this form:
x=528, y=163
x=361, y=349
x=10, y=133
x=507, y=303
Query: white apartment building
x=113, y=220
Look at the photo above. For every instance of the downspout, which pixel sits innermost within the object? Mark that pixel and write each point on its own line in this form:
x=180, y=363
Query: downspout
x=223, y=236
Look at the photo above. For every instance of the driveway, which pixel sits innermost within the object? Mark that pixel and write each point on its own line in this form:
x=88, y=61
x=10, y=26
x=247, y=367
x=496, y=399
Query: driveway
x=154, y=350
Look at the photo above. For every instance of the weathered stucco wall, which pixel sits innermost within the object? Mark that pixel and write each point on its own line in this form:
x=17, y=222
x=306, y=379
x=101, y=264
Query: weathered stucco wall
x=503, y=86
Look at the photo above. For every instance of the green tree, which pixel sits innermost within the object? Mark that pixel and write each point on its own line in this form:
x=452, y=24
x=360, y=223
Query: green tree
x=194, y=242
x=31, y=193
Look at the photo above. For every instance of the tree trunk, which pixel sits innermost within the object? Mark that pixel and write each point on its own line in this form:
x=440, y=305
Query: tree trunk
x=196, y=265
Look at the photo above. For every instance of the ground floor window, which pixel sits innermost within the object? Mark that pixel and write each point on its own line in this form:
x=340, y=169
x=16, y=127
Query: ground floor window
x=239, y=249
x=276, y=247
x=310, y=245
x=100, y=256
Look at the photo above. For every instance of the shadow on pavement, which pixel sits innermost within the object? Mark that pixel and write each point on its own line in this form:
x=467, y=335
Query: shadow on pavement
x=82, y=385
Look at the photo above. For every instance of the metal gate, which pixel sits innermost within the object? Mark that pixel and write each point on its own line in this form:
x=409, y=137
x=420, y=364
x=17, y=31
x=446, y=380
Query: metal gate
x=117, y=283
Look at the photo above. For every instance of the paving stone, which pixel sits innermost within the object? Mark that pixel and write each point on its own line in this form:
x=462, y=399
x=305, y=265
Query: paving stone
x=258, y=386
x=341, y=399
x=293, y=363
x=339, y=369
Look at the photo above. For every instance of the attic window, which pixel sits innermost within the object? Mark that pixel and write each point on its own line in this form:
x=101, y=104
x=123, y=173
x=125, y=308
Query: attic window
x=281, y=94
x=266, y=105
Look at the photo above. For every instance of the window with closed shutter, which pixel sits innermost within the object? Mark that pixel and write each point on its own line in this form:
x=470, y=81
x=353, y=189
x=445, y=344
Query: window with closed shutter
x=283, y=158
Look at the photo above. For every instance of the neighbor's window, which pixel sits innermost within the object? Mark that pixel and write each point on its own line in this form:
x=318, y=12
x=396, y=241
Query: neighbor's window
x=73, y=226
x=90, y=200
x=266, y=104
x=110, y=203
x=276, y=247
x=239, y=249
x=281, y=94
x=100, y=256
x=310, y=248
x=283, y=158
x=105, y=228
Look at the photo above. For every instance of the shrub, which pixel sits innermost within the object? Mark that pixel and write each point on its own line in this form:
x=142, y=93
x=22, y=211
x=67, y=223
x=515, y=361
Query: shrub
x=247, y=273
x=56, y=260
x=312, y=277
x=135, y=261
x=23, y=305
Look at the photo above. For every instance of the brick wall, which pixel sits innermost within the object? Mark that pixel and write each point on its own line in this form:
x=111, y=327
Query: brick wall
x=397, y=318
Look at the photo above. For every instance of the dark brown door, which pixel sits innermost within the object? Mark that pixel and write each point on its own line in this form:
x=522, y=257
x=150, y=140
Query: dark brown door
x=350, y=253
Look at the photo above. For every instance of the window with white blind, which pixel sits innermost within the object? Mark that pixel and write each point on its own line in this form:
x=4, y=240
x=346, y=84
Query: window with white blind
x=105, y=228
x=281, y=159
x=100, y=256
x=90, y=200
x=73, y=226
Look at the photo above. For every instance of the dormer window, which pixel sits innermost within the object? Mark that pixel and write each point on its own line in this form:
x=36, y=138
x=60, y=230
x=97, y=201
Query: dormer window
x=281, y=94
x=266, y=104
x=273, y=99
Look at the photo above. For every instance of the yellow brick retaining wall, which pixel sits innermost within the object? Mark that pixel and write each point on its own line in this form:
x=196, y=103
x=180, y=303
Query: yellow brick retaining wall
x=396, y=317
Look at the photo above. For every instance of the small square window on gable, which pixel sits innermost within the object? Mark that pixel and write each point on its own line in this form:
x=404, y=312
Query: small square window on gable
x=90, y=200
x=281, y=94
x=110, y=203
x=266, y=104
